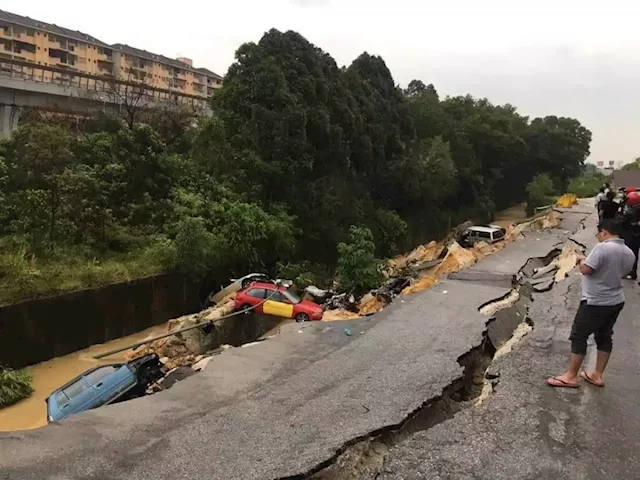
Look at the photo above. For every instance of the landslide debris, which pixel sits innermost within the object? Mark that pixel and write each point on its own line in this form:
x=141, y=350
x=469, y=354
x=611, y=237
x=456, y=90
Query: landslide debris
x=183, y=348
x=414, y=272
x=421, y=268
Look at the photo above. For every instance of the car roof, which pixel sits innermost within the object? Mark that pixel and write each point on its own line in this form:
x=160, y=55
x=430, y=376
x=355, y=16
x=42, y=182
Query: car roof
x=87, y=372
x=478, y=228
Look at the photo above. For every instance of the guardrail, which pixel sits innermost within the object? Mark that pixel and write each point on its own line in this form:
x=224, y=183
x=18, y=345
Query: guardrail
x=119, y=90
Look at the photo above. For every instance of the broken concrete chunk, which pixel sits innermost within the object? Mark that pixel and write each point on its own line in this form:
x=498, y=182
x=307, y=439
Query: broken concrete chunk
x=536, y=281
x=372, y=302
x=420, y=255
x=396, y=285
x=423, y=284
x=456, y=259
x=542, y=271
x=200, y=364
x=426, y=265
x=544, y=286
x=183, y=348
x=316, y=293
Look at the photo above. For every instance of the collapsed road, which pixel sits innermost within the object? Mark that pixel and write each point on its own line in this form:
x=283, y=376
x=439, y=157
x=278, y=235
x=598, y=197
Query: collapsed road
x=529, y=430
x=313, y=398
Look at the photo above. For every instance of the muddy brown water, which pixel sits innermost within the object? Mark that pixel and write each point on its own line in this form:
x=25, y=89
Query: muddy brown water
x=511, y=215
x=48, y=376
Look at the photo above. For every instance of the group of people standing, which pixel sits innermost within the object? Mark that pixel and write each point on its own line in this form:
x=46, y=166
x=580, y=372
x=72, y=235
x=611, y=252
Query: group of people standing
x=612, y=259
x=625, y=208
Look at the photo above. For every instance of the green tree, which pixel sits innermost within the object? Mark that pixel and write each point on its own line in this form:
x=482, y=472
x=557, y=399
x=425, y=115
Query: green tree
x=539, y=192
x=39, y=155
x=635, y=165
x=195, y=247
x=358, y=269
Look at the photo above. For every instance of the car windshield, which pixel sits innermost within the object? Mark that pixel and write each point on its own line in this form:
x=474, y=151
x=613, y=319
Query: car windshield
x=292, y=297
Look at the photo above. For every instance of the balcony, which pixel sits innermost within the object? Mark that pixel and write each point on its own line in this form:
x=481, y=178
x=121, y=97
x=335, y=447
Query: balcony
x=19, y=33
x=105, y=67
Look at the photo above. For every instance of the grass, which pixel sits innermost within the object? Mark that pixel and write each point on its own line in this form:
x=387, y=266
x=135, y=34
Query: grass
x=15, y=385
x=27, y=277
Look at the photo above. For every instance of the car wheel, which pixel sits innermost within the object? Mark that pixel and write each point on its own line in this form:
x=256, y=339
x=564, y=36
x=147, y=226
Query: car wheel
x=302, y=317
x=246, y=308
x=147, y=374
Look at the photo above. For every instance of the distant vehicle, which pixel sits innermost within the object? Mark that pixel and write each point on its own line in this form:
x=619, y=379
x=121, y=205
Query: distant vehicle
x=236, y=285
x=481, y=233
x=102, y=385
x=281, y=302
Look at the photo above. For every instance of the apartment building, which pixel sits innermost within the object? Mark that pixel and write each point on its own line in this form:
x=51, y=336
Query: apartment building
x=132, y=64
x=39, y=43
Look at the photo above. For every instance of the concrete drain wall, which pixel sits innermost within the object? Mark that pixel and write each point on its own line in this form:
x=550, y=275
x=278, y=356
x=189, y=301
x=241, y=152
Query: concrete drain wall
x=38, y=330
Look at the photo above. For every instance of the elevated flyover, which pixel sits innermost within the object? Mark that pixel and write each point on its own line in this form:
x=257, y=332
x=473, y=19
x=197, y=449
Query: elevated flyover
x=55, y=89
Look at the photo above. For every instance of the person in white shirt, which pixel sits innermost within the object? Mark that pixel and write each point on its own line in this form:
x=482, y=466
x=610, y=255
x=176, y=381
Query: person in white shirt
x=599, y=198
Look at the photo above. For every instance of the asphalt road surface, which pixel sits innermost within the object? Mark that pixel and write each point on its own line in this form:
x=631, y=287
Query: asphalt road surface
x=284, y=407
x=527, y=430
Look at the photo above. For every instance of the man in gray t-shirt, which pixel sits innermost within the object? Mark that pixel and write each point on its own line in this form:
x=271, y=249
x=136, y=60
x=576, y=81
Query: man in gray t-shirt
x=601, y=303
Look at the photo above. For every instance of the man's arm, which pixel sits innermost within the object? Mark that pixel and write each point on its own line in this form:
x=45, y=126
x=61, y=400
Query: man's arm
x=591, y=263
x=584, y=268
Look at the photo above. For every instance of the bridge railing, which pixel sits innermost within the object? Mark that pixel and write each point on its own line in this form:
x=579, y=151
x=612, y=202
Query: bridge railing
x=117, y=90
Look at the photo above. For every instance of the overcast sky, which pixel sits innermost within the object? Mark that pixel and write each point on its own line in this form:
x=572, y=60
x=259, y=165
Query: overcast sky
x=578, y=59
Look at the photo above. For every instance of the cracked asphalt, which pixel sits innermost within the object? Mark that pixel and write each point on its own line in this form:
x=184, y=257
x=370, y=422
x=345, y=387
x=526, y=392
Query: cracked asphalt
x=527, y=430
x=284, y=406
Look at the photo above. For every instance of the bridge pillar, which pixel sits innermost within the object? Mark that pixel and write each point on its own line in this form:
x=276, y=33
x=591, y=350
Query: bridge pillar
x=9, y=116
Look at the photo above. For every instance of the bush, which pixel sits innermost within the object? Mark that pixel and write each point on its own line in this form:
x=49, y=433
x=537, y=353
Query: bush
x=539, y=193
x=391, y=232
x=195, y=246
x=358, y=269
x=304, y=274
x=586, y=185
x=14, y=386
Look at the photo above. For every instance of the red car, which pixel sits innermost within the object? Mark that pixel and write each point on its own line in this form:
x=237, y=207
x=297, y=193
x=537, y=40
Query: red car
x=280, y=302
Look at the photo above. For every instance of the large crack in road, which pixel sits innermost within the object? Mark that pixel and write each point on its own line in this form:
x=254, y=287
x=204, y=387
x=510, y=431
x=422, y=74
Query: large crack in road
x=528, y=430
x=364, y=457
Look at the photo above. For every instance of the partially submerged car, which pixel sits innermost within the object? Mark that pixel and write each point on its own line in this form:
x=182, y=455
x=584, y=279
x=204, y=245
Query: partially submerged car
x=481, y=233
x=277, y=300
x=102, y=385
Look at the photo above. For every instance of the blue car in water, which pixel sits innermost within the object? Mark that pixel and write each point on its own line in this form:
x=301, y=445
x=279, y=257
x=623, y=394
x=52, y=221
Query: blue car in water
x=104, y=384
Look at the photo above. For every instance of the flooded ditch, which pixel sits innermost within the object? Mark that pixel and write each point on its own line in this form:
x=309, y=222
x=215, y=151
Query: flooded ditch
x=47, y=376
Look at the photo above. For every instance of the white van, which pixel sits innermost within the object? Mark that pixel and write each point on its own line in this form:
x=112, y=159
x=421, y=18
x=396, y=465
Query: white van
x=482, y=233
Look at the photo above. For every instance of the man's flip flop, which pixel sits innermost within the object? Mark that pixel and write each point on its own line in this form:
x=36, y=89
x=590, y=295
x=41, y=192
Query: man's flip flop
x=556, y=382
x=585, y=376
